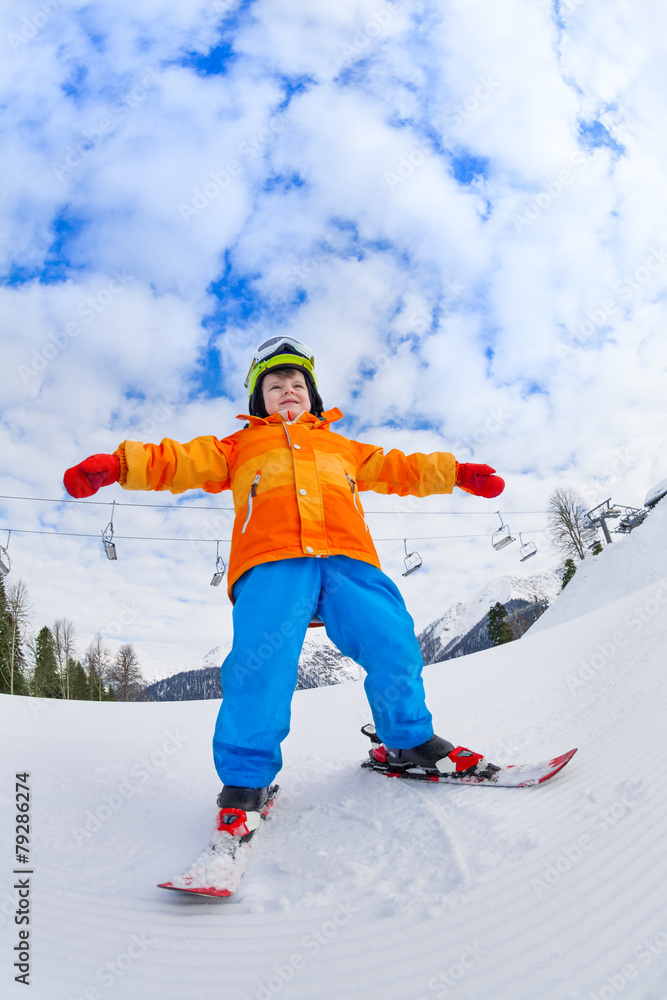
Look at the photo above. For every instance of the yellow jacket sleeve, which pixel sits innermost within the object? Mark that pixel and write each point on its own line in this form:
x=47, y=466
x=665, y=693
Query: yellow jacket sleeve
x=201, y=464
x=416, y=475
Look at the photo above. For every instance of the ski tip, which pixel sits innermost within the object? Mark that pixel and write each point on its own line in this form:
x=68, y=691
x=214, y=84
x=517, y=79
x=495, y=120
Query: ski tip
x=565, y=757
x=557, y=764
x=209, y=891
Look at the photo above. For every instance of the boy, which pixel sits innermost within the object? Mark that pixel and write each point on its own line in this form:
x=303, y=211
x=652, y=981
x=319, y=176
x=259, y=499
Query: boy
x=300, y=548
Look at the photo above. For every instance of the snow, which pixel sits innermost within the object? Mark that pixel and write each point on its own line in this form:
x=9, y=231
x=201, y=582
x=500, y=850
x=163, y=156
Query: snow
x=361, y=886
x=630, y=563
x=656, y=493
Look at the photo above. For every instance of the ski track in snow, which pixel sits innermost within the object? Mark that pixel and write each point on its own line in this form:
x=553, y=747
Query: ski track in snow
x=362, y=886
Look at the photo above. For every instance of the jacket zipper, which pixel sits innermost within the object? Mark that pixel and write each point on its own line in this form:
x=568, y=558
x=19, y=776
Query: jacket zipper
x=251, y=496
x=354, y=494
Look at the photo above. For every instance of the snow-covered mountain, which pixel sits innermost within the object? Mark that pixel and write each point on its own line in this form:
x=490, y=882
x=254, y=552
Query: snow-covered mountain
x=445, y=637
x=320, y=664
x=362, y=886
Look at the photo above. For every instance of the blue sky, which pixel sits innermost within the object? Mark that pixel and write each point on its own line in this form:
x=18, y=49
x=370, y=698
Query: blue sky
x=459, y=206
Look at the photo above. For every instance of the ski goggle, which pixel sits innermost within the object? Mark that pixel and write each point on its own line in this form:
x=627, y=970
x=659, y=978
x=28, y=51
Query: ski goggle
x=265, y=358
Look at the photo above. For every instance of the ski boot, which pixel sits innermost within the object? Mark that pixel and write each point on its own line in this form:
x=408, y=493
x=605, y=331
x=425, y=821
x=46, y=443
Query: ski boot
x=243, y=809
x=435, y=757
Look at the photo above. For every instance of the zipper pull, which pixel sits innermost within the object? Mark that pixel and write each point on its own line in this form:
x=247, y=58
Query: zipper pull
x=355, y=495
x=251, y=495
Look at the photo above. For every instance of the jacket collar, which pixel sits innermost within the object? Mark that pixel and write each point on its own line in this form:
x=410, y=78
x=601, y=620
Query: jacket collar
x=328, y=417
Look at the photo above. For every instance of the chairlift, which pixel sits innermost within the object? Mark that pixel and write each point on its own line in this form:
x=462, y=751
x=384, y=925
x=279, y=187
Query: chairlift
x=220, y=567
x=527, y=549
x=5, y=561
x=107, y=537
x=589, y=538
x=412, y=560
x=631, y=519
x=502, y=536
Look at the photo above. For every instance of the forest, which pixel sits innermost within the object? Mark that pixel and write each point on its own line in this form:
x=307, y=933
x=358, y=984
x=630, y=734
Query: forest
x=47, y=663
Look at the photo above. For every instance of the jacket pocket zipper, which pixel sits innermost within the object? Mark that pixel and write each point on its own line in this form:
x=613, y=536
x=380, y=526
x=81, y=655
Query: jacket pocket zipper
x=251, y=496
x=354, y=495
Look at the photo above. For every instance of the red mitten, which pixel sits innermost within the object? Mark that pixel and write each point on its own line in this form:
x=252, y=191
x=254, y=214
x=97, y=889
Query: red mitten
x=479, y=480
x=84, y=479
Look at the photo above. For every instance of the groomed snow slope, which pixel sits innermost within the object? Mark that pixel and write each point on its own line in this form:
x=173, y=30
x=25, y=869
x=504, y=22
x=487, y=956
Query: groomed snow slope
x=363, y=886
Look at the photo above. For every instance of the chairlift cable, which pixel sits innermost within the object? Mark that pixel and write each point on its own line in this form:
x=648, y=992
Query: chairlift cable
x=183, y=506
x=160, y=538
x=119, y=503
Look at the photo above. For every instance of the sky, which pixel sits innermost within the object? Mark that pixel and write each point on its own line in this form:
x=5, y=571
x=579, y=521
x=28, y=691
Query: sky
x=459, y=206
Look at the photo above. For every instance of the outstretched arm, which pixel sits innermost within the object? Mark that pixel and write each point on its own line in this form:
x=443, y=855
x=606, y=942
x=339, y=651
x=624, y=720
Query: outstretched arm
x=201, y=464
x=422, y=475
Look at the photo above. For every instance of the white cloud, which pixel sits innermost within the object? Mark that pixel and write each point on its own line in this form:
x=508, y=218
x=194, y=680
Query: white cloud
x=474, y=273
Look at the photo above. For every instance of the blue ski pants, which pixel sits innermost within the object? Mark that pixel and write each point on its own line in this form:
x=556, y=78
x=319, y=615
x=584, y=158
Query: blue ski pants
x=364, y=615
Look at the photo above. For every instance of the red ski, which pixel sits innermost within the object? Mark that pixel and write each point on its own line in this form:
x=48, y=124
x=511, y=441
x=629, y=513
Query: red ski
x=218, y=870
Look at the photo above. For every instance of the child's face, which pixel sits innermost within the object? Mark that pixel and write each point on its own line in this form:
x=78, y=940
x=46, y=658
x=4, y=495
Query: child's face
x=285, y=391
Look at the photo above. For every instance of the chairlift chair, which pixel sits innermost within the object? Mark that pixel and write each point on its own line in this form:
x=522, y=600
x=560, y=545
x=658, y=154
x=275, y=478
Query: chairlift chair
x=590, y=538
x=527, y=549
x=5, y=561
x=502, y=536
x=631, y=520
x=412, y=560
x=220, y=568
x=107, y=537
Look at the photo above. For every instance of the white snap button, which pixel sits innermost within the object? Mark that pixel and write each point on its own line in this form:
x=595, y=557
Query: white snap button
x=298, y=447
x=302, y=492
x=308, y=548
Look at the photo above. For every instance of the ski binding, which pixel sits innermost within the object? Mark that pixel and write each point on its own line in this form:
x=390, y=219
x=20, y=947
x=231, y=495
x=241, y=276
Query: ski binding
x=466, y=767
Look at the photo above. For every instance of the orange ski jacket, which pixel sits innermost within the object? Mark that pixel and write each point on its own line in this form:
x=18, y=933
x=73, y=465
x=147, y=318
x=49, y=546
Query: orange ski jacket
x=295, y=484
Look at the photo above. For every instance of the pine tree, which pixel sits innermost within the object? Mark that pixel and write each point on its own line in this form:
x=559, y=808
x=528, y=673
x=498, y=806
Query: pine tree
x=15, y=614
x=570, y=570
x=46, y=684
x=498, y=629
x=79, y=688
x=5, y=641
